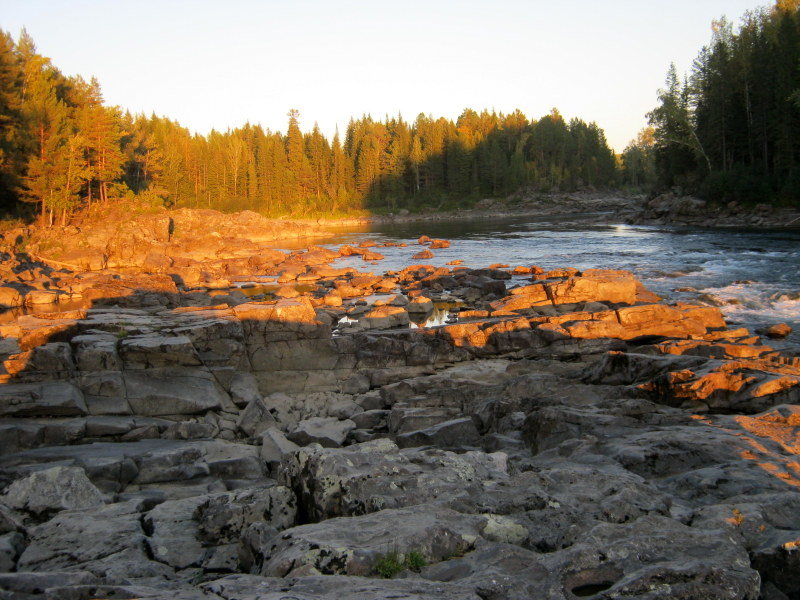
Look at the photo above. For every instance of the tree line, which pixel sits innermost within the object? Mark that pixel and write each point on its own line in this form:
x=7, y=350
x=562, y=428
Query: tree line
x=62, y=149
x=731, y=129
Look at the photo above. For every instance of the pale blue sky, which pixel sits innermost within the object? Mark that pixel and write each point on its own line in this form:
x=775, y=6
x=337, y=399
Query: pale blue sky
x=217, y=64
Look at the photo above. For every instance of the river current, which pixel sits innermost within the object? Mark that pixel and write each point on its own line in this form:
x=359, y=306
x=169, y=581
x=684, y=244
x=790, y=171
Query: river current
x=753, y=275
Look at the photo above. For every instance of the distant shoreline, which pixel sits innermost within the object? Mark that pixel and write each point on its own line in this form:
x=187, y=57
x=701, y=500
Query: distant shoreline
x=601, y=207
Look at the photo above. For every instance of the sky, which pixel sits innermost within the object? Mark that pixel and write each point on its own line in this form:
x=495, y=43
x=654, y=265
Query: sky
x=219, y=64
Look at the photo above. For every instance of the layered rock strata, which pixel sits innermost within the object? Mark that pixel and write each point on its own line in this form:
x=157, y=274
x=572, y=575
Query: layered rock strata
x=567, y=435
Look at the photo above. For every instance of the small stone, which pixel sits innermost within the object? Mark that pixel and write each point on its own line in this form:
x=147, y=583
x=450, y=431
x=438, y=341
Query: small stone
x=778, y=331
x=255, y=418
x=274, y=446
x=329, y=432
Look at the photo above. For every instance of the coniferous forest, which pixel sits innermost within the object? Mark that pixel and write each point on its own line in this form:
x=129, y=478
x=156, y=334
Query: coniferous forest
x=731, y=129
x=63, y=149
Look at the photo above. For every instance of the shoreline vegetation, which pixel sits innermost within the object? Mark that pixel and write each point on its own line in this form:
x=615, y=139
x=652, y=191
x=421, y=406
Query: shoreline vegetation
x=120, y=237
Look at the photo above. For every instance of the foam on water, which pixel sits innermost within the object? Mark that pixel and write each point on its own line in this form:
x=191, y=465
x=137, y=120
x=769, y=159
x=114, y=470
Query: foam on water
x=666, y=259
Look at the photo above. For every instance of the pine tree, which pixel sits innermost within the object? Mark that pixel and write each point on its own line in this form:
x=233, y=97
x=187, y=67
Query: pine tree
x=11, y=156
x=300, y=176
x=678, y=149
x=100, y=127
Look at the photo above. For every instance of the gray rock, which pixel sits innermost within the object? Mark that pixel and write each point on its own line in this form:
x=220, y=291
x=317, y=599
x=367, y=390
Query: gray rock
x=404, y=418
x=113, y=466
x=173, y=391
x=370, y=419
x=357, y=384
x=343, y=408
x=156, y=350
x=375, y=475
x=54, y=358
x=186, y=430
x=274, y=447
x=47, y=399
x=32, y=584
x=639, y=558
x=256, y=418
x=11, y=546
x=203, y=531
x=173, y=534
x=329, y=432
x=371, y=400
x=175, y=590
x=63, y=432
x=456, y=433
x=162, y=463
x=102, y=426
x=252, y=587
x=223, y=517
x=105, y=393
x=16, y=436
x=51, y=490
x=96, y=352
x=243, y=389
x=9, y=522
x=82, y=539
x=352, y=546
x=648, y=558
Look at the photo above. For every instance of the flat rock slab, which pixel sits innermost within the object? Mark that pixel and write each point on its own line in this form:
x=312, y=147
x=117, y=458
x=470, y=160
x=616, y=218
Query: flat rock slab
x=174, y=590
x=252, y=587
x=36, y=583
x=354, y=545
x=112, y=466
x=52, y=490
x=49, y=399
x=87, y=538
x=173, y=391
x=153, y=350
x=455, y=433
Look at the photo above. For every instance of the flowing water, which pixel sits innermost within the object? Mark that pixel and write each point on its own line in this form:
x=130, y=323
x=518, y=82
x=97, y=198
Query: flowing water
x=754, y=275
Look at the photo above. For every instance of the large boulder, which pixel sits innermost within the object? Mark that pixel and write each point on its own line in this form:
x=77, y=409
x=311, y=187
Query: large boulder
x=51, y=490
x=48, y=399
x=205, y=530
x=109, y=541
x=375, y=475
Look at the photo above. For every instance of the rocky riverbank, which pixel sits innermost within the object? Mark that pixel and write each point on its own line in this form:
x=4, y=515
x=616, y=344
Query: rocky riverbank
x=260, y=425
x=601, y=207
x=675, y=209
x=124, y=236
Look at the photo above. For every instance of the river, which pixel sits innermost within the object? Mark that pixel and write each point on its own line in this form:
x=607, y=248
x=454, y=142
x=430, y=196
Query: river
x=753, y=274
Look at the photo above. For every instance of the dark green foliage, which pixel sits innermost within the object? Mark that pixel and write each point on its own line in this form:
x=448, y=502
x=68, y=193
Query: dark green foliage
x=415, y=561
x=390, y=564
x=732, y=132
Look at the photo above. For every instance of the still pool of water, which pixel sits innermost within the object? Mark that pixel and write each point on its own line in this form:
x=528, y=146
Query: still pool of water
x=754, y=274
